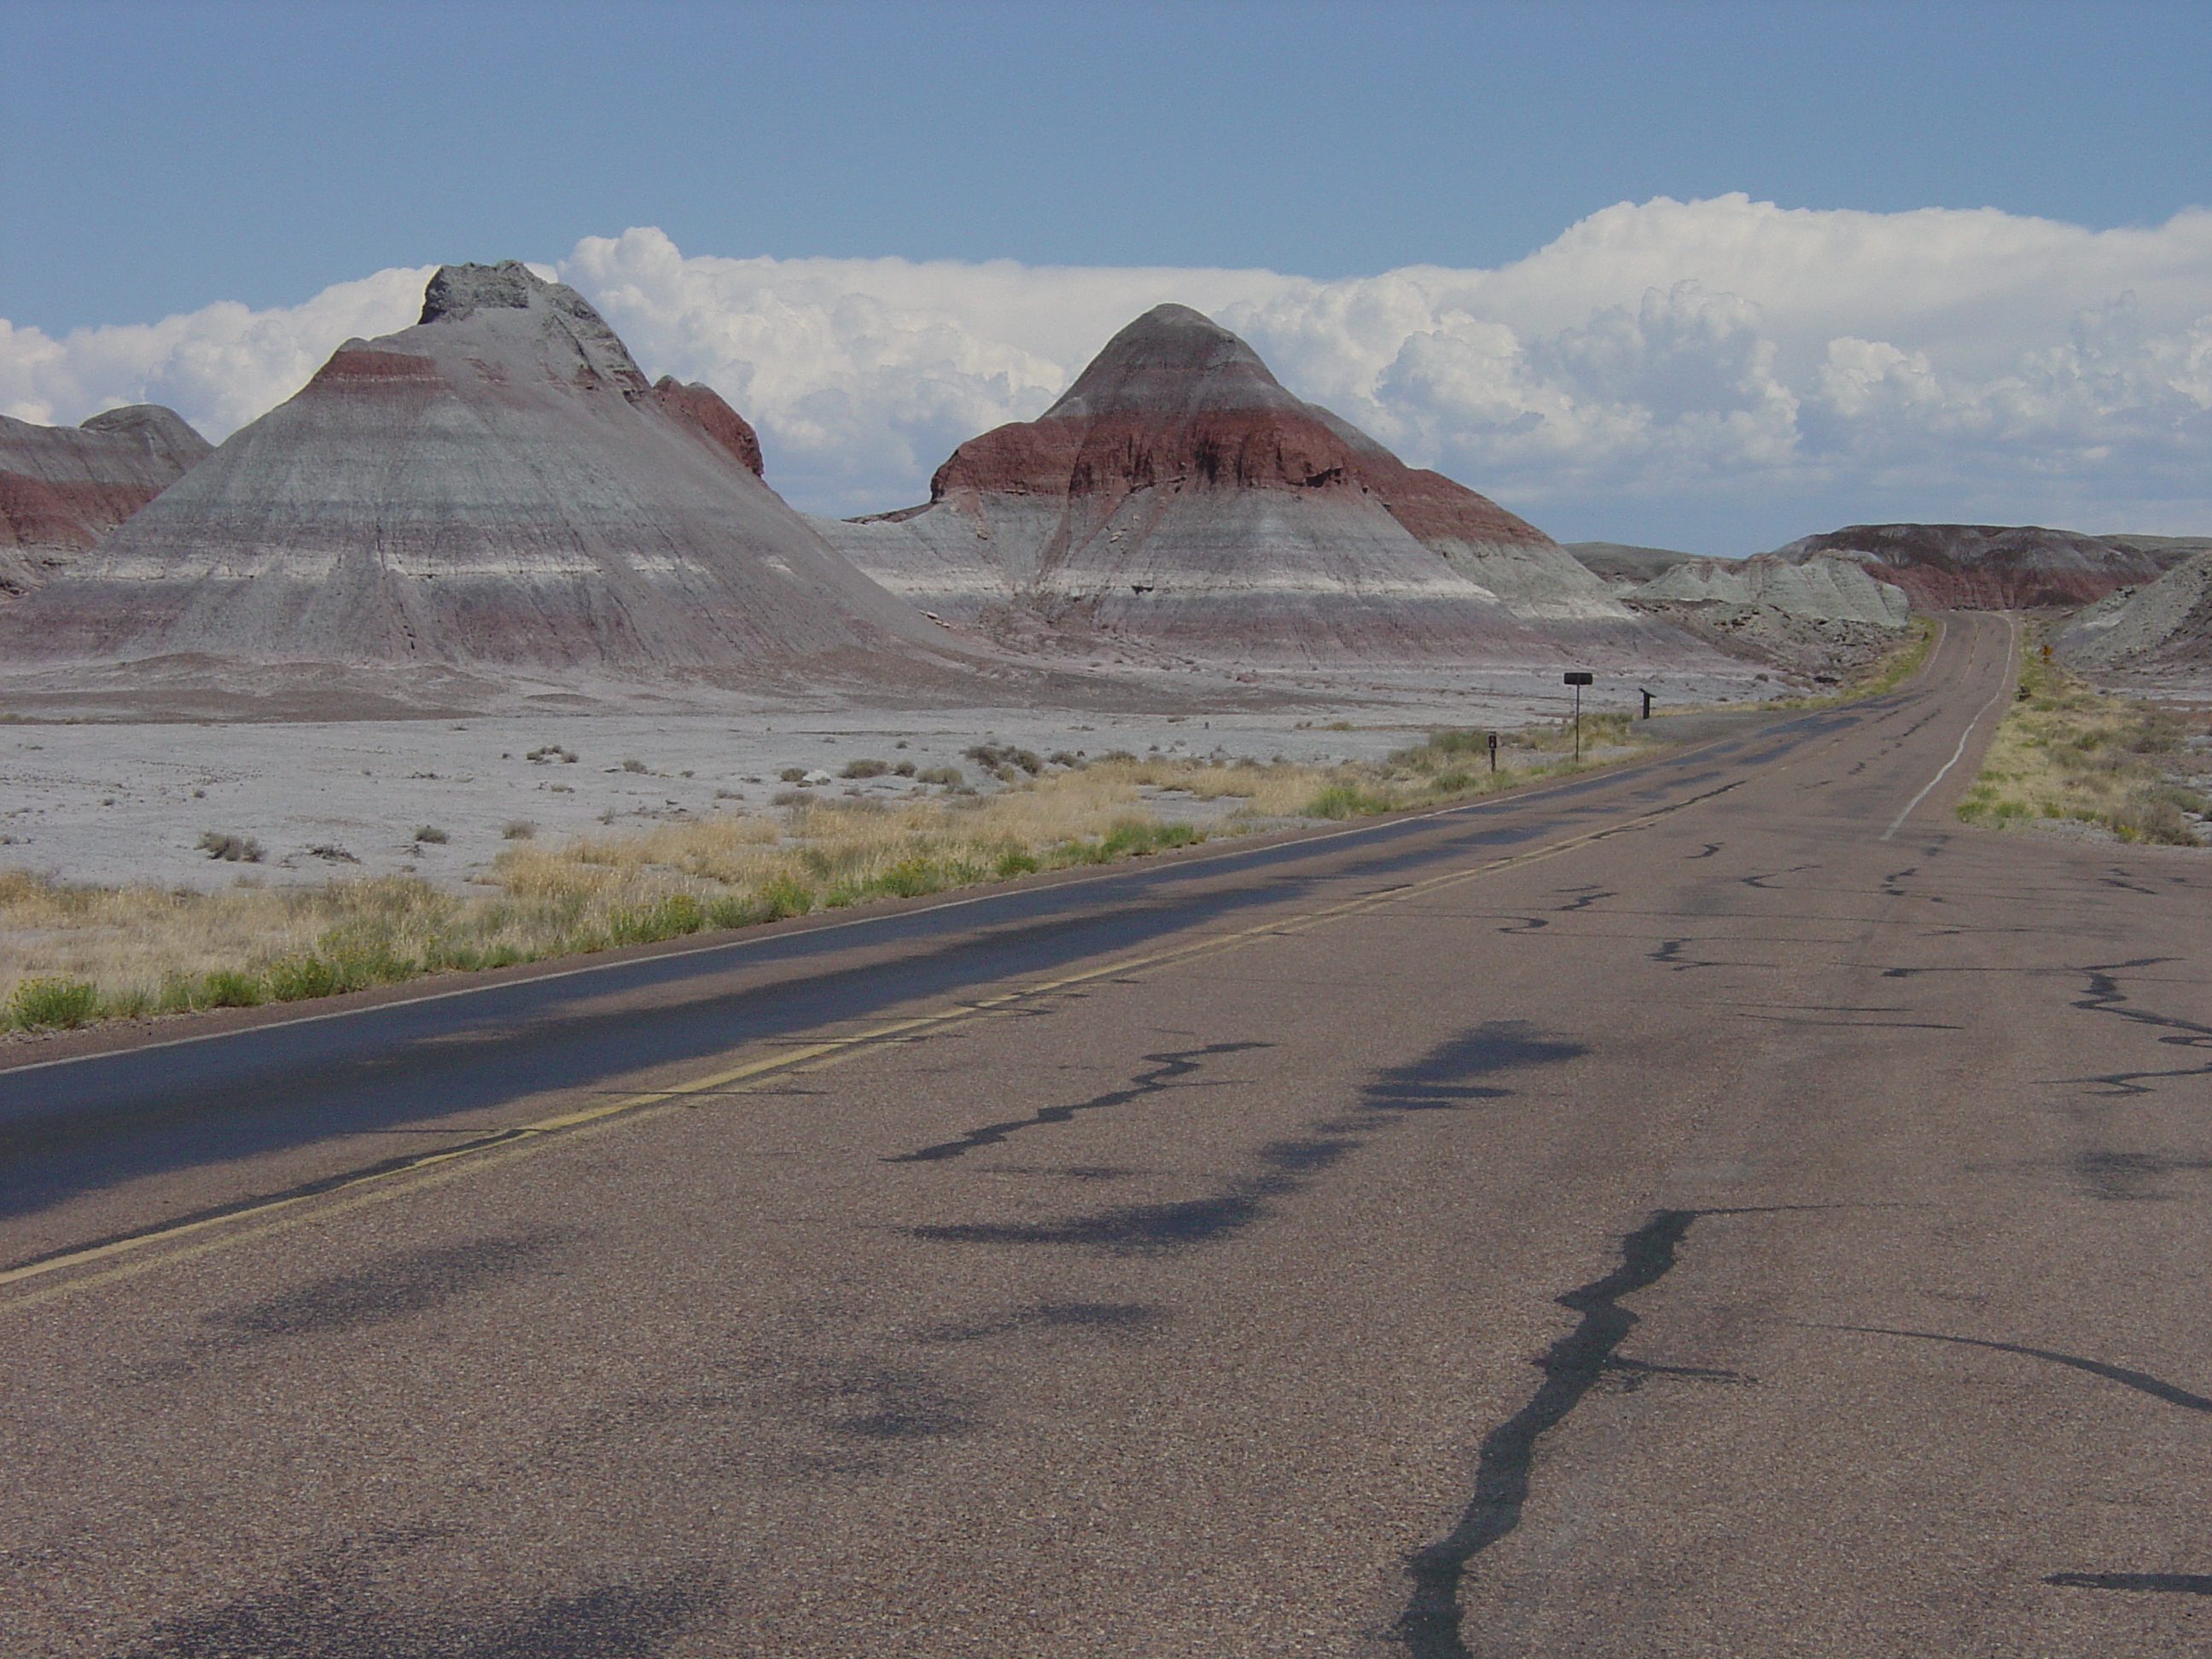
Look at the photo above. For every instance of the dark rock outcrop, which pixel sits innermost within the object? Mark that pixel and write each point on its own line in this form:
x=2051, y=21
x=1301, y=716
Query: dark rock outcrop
x=62, y=487
x=497, y=486
x=1178, y=496
x=1978, y=567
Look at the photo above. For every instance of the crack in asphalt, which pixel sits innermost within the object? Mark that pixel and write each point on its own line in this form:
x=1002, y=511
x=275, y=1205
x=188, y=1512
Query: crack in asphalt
x=1585, y=897
x=1765, y=876
x=1170, y=1071
x=2106, y=996
x=1670, y=954
x=2141, y=1381
x=1439, y=1080
x=2185, y=1583
x=1430, y=1626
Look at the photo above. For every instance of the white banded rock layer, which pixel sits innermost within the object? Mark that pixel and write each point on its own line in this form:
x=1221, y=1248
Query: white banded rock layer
x=497, y=486
x=62, y=487
x=1178, y=497
x=1825, y=589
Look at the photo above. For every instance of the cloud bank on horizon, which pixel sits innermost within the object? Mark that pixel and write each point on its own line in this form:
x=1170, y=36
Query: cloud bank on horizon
x=1723, y=367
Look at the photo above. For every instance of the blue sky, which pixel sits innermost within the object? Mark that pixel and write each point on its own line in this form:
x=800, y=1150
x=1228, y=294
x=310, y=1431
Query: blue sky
x=161, y=159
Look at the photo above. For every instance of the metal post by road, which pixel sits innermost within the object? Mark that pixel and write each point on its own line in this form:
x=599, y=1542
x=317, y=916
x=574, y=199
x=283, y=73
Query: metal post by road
x=1578, y=678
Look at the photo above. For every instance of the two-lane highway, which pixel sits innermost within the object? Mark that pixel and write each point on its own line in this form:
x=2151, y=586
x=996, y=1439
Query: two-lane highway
x=1717, y=1206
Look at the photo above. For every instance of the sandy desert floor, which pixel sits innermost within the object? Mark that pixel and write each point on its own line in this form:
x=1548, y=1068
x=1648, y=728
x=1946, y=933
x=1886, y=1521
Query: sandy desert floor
x=116, y=803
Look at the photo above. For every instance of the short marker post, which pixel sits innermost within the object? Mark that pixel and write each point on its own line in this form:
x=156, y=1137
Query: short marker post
x=1579, y=678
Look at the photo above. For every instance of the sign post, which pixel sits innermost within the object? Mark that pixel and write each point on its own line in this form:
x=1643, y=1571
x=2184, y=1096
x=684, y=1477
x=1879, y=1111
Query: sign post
x=1578, y=678
x=1493, y=752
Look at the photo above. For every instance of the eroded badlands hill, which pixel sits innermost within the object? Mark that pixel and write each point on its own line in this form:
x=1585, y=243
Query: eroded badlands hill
x=1180, y=497
x=497, y=486
x=1995, y=567
x=2166, y=623
x=62, y=488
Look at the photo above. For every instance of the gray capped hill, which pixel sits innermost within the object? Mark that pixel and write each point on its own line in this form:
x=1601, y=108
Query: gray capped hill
x=498, y=486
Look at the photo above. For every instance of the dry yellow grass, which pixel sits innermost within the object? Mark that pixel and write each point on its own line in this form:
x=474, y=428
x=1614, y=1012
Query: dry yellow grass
x=71, y=953
x=2066, y=750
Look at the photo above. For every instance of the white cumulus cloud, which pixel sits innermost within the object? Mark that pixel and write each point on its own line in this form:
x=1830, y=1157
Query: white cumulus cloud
x=1723, y=372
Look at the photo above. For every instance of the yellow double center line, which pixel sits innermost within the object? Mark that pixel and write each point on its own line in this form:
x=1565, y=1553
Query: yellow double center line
x=188, y=1239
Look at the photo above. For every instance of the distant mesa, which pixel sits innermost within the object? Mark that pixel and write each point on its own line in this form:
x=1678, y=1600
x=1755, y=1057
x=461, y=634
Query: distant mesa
x=1621, y=562
x=62, y=487
x=498, y=486
x=1178, y=497
x=1996, y=567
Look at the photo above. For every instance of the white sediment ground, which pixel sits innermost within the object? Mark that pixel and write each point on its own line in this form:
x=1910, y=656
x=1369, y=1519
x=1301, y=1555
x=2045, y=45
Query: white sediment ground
x=128, y=802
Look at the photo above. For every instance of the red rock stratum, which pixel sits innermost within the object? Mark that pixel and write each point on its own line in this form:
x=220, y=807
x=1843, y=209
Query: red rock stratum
x=1179, y=496
x=62, y=487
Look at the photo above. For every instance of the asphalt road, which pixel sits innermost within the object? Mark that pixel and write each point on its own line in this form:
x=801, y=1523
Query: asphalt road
x=1718, y=1208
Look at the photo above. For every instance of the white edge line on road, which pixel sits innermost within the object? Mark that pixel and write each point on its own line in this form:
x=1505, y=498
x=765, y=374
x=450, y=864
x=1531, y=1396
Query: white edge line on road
x=2012, y=637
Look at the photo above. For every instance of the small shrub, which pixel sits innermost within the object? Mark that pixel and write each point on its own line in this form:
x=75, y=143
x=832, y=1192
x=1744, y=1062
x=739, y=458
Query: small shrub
x=232, y=849
x=296, y=978
x=431, y=833
x=549, y=753
x=1346, y=800
x=670, y=918
x=904, y=768
x=785, y=896
x=2148, y=818
x=633, y=766
x=1014, y=862
x=912, y=877
x=998, y=757
x=1134, y=837
x=331, y=852
x=518, y=830
x=950, y=776
x=67, y=1003
x=792, y=774
x=231, y=987
x=865, y=769
x=781, y=897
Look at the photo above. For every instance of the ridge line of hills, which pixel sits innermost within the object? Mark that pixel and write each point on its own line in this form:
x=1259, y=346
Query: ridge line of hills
x=499, y=490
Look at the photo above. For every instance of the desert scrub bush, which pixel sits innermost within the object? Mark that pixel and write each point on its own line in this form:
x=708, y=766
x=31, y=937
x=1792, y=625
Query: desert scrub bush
x=672, y=917
x=865, y=769
x=66, y=1003
x=432, y=833
x=232, y=987
x=999, y=758
x=547, y=754
x=518, y=829
x=231, y=849
x=792, y=774
x=2066, y=750
x=1347, y=800
x=950, y=776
